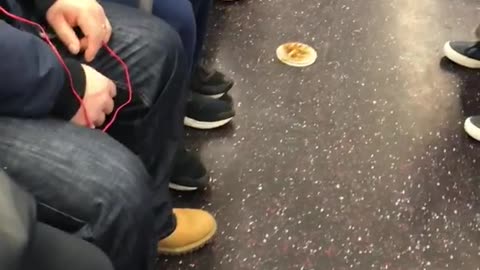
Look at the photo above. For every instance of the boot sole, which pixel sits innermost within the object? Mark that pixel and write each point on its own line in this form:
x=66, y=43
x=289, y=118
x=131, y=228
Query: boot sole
x=189, y=122
x=190, y=248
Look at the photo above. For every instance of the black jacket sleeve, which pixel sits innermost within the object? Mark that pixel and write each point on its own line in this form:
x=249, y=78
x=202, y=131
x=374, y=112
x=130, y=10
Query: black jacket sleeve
x=33, y=83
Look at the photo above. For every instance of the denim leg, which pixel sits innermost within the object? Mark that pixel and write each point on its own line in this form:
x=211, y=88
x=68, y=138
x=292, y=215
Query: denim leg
x=88, y=181
x=152, y=126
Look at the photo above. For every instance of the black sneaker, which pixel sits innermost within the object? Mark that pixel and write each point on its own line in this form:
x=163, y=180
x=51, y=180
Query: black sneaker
x=472, y=127
x=188, y=174
x=464, y=53
x=210, y=83
x=208, y=113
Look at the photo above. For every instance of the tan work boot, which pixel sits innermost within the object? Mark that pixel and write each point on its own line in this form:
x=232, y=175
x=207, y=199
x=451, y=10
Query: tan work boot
x=195, y=228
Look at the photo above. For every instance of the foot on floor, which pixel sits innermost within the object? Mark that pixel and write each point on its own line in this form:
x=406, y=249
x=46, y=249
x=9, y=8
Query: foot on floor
x=195, y=228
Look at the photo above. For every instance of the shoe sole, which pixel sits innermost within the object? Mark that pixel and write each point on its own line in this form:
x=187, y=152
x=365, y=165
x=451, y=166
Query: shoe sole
x=178, y=187
x=189, y=122
x=190, y=248
x=217, y=96
x=459, y=58
x=181, y=188
x=472, y=130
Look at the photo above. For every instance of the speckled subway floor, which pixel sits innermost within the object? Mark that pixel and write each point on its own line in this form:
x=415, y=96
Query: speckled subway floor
x=357, y=162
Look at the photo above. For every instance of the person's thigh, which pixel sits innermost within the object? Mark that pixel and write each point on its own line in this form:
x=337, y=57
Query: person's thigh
x=176, y=13
x=151, y=49
x=85, y=182
x=68, y=168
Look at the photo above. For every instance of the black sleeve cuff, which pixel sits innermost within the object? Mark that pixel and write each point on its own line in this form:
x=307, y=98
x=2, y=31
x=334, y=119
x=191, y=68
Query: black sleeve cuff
x=66, y=105
x=42, y=6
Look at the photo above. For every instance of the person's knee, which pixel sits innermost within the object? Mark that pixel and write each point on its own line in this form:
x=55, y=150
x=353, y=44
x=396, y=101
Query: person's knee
x=156, y=53
x=153, y=36
x=126, y=195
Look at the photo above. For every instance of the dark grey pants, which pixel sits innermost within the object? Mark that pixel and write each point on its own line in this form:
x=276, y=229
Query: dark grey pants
x=26, y=244
x=86, y=182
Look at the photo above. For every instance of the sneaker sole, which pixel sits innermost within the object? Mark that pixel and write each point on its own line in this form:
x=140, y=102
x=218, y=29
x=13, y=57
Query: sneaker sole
x=178, y=187
x=459, y=58
x=217, y=96
x=472, y=130
x=189, y=122
x=181, y=188
x=190, y=248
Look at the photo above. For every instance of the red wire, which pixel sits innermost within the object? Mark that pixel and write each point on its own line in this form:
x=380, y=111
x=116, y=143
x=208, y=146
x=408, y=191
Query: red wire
x=129, y=86
x=69, y=75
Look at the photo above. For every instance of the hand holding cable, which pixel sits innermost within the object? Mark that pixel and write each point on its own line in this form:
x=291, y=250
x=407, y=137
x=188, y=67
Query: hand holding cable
x=88, y=15
x=99, y=96
x=98, y=99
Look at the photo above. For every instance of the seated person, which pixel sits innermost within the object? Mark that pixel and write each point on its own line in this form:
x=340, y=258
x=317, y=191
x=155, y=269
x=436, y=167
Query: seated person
x=110, y=189
x=26, y=244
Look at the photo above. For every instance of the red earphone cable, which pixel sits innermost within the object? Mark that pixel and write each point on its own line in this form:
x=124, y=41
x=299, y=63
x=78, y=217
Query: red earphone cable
x=129, y=87
x=69, y=75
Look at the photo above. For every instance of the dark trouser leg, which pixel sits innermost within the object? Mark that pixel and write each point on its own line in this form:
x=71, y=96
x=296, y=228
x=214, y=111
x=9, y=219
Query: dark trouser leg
x=52, y=249
x=201, y=9
x=179, y=14
x=88, y=183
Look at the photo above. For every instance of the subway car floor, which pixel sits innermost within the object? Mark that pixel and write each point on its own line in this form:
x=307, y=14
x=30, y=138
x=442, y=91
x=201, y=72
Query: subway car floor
x=359, y=161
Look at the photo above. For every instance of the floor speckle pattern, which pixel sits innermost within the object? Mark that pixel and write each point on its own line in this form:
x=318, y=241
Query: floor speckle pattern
x=357, y=162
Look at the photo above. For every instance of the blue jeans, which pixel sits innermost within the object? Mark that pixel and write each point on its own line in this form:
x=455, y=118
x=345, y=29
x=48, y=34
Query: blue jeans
x=111, y=189
x=188, y=17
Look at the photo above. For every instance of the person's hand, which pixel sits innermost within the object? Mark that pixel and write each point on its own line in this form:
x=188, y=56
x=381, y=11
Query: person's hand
x=65, y=15
x=98, y=99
